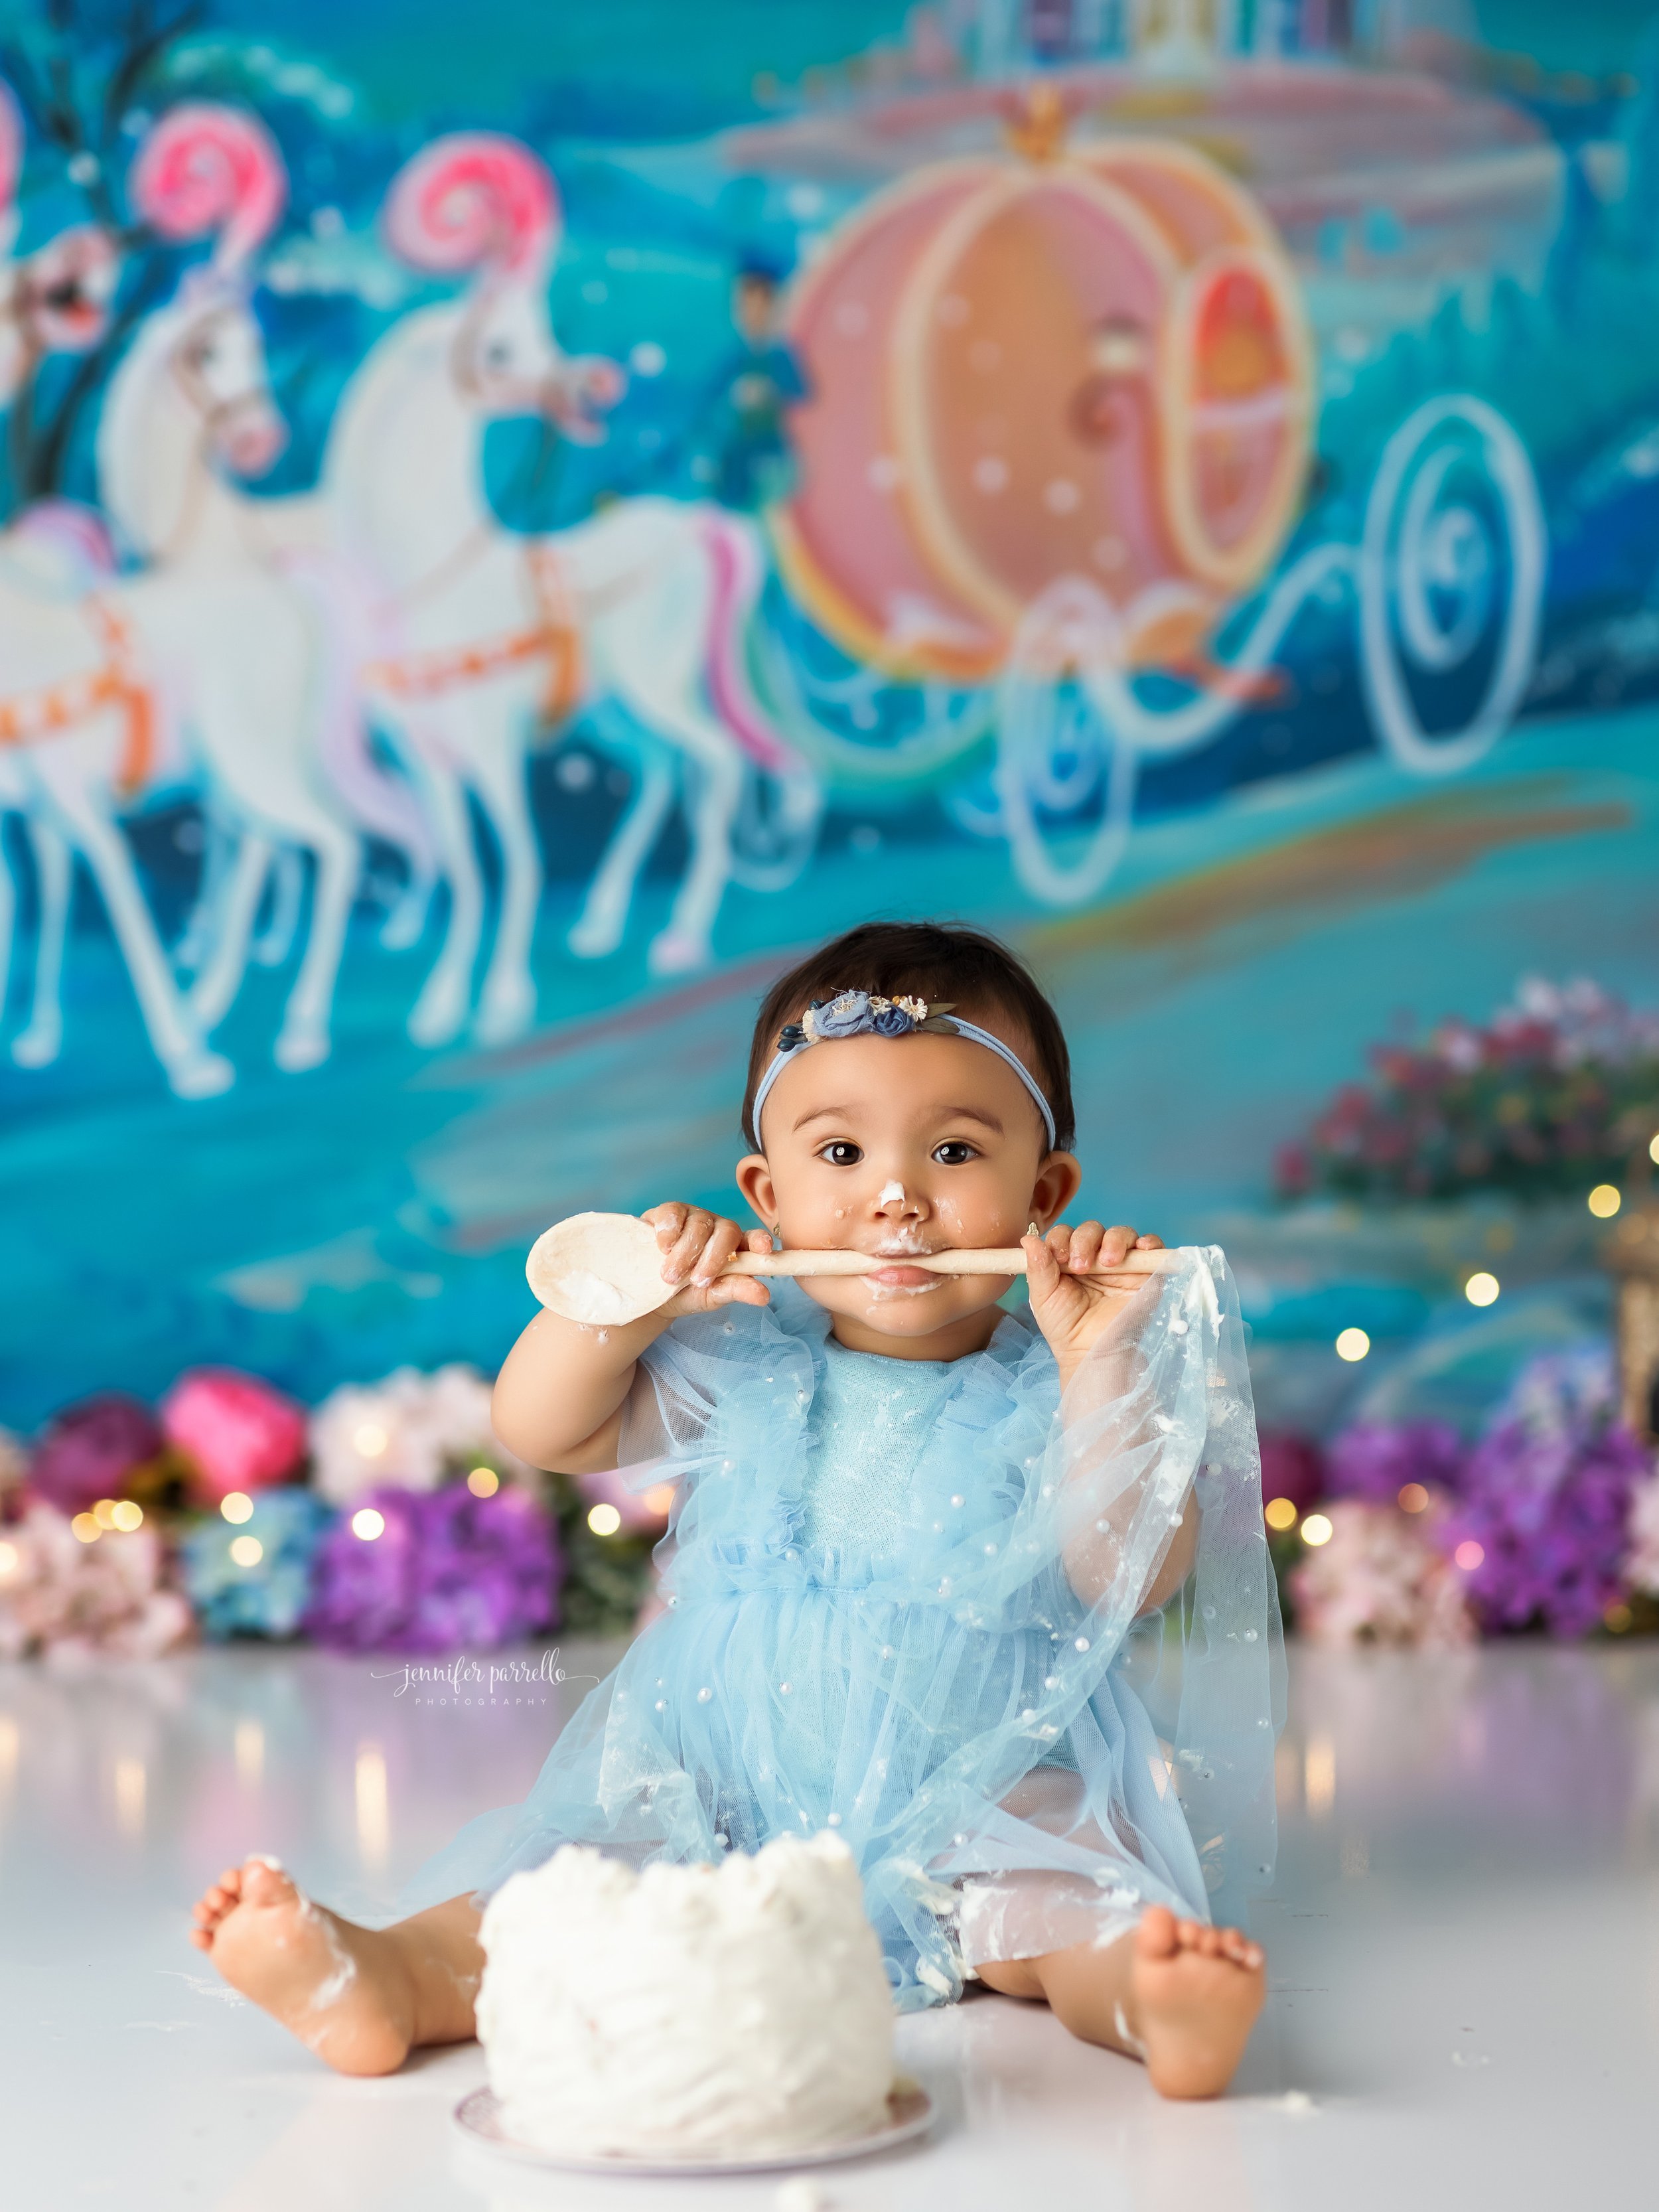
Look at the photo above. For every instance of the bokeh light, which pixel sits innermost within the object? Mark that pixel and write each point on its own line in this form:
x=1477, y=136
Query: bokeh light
x=246, y=1551
x=1605, y=1201
x=368, y=1524
x=1413, y=1498
x=1278, y=1513
x=484, y=1482
x=1352, y=1344
x=604, y=1520
x=1469, y=1555
x=236, y=1506
x=1481, y=1289
x=1317, y=1529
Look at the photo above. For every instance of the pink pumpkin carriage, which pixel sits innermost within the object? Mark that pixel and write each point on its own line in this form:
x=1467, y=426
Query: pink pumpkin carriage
x=1085, y=362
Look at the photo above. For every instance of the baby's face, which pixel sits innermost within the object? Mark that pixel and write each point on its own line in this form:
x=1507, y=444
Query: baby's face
x=900, y=1147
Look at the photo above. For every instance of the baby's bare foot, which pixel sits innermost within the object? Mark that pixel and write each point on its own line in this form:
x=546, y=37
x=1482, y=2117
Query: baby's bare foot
x=344, y=1990
x=1197, y=1992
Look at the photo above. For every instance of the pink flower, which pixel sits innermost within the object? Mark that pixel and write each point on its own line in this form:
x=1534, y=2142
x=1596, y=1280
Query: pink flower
x=73, y=1600
x=1382, y=1579
x=237, y=1432
x=1641, y=1562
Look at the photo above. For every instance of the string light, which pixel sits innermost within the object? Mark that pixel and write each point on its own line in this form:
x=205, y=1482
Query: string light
x=1317, y=1529
x=128, y=1516
x=368, y=1524
x=1413, y=1498
x=104, y=1512
x=1481, y=1289
x=370, y=1438
x=1352, y=1344
x=1469, y=1555
x=484, y=1482
x=236, y=1506
x=604, y=1520
x=86, y=1528
x=1278, y=1513
x=246, y=1551
x=1605, y=1201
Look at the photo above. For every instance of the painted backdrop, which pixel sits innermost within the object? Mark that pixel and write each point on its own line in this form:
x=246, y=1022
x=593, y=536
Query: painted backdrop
x=518, y=521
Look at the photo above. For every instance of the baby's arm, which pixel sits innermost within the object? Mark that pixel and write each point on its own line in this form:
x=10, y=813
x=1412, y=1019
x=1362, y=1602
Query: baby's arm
x=1090, y=1315
x=560, y=1396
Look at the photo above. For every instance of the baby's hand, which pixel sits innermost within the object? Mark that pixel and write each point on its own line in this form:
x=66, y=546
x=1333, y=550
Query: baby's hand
x=695, y=1246
x=1074, y=1297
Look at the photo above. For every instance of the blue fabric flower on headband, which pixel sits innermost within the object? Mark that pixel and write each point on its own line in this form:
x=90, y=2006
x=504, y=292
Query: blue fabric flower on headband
x=863, y=1013
x=848, y=1015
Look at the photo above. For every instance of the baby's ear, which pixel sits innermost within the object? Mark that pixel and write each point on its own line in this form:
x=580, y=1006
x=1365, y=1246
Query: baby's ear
x=755, y=1181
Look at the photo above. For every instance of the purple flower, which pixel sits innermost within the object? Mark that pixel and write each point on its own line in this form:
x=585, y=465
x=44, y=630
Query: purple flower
x=1292, y=1467
x=1376, y=1460
x=847, y=1015
x=1542, y=1526
x=445, y=1571
x=91, y=1451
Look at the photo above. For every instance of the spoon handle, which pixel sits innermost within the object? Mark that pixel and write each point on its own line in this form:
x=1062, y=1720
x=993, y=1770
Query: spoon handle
x=1008, y=1259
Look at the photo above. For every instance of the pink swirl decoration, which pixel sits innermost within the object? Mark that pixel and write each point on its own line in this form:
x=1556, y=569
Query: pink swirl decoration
x=204, y=167
x=473, y=197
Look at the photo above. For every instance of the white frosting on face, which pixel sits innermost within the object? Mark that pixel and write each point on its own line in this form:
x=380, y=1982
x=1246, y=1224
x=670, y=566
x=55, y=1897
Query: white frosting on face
x=686, y=2011
x=892, y=1194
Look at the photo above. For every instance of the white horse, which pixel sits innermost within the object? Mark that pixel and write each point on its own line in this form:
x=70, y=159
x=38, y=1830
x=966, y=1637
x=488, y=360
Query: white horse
x=488, y=638
x=204, y=669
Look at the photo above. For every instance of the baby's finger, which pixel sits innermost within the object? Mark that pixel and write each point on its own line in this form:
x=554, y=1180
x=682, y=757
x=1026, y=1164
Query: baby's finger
x=723, y=1241
x=739, y=1290
x=1041, y=1267
x=759, y=1240
x=1113, y=1243
x=1149, y=1243
x=1086, y=1245
x=1059, y=1242
x=667, y=1220
x=687, y=1247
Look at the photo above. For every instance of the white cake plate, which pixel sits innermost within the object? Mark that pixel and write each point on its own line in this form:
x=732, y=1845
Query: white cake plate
x=909, y=2113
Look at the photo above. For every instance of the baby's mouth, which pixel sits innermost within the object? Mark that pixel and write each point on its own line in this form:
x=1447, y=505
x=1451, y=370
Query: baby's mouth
x=904, y=1279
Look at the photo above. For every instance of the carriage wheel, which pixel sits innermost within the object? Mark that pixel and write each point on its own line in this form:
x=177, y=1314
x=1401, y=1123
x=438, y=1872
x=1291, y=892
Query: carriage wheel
x=1453, y=504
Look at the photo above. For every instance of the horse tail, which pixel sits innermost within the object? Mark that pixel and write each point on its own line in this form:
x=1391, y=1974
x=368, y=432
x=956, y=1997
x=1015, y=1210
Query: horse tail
x=737, y=571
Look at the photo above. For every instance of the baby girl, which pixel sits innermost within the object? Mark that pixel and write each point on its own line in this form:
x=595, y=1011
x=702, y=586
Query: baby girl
x=987, y=1595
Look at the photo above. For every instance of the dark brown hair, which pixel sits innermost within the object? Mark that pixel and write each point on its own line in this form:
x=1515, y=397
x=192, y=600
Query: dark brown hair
x=932, y=960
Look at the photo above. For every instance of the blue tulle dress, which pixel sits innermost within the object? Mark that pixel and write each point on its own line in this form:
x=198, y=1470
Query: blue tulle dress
x=906, y=1603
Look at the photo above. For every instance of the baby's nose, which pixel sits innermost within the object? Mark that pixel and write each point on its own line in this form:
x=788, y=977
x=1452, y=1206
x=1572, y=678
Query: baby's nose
x=893, y=1197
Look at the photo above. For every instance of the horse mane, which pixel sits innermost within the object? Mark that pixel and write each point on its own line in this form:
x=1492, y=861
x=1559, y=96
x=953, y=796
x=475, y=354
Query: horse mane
x=124, y=450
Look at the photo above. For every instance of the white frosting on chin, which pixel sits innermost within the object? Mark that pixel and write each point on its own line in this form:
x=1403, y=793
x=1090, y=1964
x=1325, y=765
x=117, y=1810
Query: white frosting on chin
x=741, y=2010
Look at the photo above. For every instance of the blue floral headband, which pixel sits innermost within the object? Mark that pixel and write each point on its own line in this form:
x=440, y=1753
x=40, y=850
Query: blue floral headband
x=862, y=1013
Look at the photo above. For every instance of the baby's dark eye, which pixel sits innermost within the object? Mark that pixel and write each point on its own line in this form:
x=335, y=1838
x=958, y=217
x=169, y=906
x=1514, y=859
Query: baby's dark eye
x=955, y=1152
x=841, y=1154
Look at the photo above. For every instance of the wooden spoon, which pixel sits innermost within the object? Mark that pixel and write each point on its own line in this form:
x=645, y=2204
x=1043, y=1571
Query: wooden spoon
x=606, y=1268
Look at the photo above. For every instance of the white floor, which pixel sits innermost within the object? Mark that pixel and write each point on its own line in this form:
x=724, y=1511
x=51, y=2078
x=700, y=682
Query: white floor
x=1463, y=1946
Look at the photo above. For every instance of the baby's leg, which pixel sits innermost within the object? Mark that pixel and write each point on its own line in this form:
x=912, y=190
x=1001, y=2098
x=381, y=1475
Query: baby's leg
x=1179, y=1994
x=362, y=1998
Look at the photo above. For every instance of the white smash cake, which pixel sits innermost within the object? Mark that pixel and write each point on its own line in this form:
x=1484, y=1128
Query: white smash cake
x=686, y=2012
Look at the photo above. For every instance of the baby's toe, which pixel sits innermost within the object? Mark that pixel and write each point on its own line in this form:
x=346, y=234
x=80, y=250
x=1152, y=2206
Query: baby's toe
x=263, y=1884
